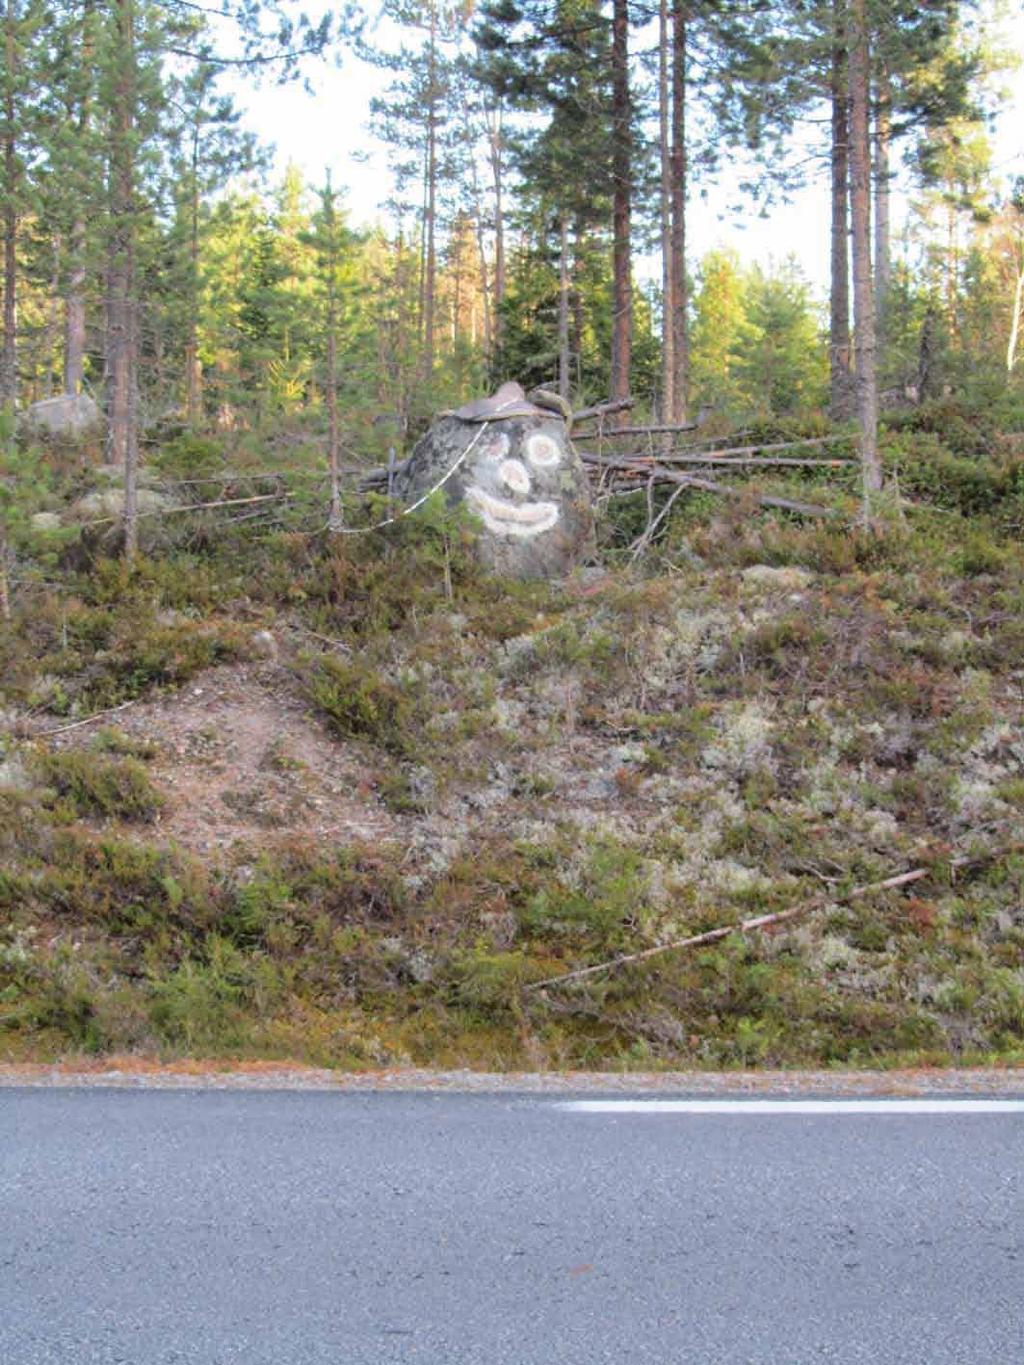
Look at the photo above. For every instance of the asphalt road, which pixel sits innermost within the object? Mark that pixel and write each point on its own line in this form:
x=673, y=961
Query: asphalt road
x=366, y=1229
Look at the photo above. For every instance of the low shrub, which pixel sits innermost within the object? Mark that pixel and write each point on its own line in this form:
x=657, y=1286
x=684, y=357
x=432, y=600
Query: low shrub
x=361, y=704
x=90, y=785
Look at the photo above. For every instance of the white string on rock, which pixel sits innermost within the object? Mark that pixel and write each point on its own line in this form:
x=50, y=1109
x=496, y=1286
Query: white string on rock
x=407, y=511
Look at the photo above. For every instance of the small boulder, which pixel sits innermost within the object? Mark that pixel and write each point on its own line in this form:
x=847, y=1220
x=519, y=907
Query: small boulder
x=45, y=521
x=70, y=416
x=264, y=646
x=787, y=577
x=509, y=460
x=107, y=504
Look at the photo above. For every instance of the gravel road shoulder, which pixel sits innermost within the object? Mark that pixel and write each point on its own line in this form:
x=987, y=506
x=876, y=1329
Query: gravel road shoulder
x=142, y=1074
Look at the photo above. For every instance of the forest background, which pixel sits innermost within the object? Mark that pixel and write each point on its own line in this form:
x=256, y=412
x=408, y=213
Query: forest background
x=538, y=152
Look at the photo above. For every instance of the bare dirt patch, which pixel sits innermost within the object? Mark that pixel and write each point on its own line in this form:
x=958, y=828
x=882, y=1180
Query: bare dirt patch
x=239, y=758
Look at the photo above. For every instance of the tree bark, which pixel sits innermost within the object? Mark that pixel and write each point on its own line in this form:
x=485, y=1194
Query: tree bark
x=9, y=353
x=840, y=376
x=622, y=173
x=863, y=294
x=668, y=367
x=680, y=171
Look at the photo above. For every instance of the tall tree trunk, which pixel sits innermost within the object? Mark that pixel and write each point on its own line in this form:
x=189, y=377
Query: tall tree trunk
x=193, y=369
x=576, y=301
x=334, y=520
x=74, y=310
x=668, y=367
x=840, y=375
x=952, y=270
x=680, y=171
x=1018, y=306
x=74, y=296
x=51, y=335
x=9, y=353
x=496, y=157
x=122, y=335
x=430, y=226
x=863, y=294
x=481, y=251
x=883, y=194
x=563, y=307
x=622, y=177
x=5, y=588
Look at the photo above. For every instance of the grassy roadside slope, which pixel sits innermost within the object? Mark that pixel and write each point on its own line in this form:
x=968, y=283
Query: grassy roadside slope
x=349, y=814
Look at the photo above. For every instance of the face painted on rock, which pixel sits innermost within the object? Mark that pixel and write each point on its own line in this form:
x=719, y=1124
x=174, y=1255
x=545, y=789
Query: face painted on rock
x=514, y=484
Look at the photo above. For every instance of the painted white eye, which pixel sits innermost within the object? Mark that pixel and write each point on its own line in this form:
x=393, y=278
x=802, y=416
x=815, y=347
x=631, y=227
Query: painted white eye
x=513, y=475
x=542, y=451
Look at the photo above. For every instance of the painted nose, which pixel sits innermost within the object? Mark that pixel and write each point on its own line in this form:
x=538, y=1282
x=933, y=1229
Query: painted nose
x=514, y=476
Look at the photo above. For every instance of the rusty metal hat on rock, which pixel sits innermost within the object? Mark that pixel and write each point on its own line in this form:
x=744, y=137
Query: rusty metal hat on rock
x=511, y=401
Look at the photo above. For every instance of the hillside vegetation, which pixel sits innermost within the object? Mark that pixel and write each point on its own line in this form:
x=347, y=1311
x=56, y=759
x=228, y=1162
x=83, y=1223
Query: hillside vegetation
x=358, y=796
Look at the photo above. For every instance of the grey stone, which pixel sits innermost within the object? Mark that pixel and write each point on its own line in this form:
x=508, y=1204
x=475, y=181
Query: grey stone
x=69, y=415
x=14, y=776
x=109, y=503
x=519, y=476
x=45, y=521
x=789, y=576
x=264, y=645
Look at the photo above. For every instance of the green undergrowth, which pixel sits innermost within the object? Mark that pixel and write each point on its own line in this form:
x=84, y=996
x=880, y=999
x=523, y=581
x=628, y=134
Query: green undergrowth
x=110, y=944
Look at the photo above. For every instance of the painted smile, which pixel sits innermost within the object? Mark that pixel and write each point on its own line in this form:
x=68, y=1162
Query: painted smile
x=512, y=518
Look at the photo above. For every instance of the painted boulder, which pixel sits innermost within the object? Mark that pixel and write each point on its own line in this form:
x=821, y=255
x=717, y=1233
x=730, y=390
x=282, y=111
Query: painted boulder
x=510, y=461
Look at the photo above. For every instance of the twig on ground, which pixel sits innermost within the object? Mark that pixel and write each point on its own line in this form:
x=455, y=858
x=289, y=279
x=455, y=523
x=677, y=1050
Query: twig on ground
x=87, y=720
x=724, y=931
x=807, y=907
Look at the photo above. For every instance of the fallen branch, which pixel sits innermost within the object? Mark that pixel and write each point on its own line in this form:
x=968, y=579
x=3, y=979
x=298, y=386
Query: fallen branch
x=87, y=720
x=720, y=458
x=649, y=431
x=734, y=450
x=602, y=410
x=725, y=930
x=661, y=475
x=197, y=507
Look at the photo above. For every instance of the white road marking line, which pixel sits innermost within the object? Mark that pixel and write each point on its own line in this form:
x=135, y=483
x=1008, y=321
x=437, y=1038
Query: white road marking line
x=872, y=1106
